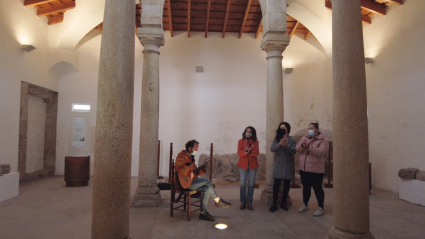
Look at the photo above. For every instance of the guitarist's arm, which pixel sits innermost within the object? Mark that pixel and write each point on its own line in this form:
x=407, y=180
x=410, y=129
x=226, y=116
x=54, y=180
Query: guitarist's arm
x=181, y=167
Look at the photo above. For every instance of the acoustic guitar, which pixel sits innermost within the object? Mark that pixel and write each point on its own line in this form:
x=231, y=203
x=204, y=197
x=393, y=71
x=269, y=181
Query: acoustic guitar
x=185, y=182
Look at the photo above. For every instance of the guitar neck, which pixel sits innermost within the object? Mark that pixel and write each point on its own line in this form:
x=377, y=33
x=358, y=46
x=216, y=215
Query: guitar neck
x=196, y=170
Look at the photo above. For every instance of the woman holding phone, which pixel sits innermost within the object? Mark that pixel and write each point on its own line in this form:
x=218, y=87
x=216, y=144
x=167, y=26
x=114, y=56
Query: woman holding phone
x=248, y=152
x=283, y=147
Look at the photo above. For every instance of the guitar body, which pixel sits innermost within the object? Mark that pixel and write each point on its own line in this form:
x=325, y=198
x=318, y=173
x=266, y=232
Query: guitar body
x=185, y=182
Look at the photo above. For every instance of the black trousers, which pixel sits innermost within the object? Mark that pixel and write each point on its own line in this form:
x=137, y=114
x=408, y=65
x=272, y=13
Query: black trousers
x=276, y=186
x=314, y=180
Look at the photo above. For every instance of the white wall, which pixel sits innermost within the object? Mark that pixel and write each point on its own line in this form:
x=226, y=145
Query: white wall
x=19, y=25
x=214, y=106
x=36, y=133
x=395, y=87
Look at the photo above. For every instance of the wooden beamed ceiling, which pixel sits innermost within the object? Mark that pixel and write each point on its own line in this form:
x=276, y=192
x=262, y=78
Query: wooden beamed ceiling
x=237, y=16
x=369, y=8
x=54, y=10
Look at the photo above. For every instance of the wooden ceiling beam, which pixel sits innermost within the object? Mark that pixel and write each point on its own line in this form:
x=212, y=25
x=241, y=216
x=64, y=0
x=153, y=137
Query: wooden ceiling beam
x=396, y=2
x=259, y=29
x=373, y=7
x=170, y=18
x=29, y=3
x=208, y=18
x=56, y=8
x=244, y=18
x=188, y=18
x=366, y=19
x=328, y=4
x=307, y=35
x=56, y=18
x=225, y=18
x=297, y=23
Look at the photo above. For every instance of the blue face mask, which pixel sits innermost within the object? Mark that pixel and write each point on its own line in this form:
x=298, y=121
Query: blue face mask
x=311, y=132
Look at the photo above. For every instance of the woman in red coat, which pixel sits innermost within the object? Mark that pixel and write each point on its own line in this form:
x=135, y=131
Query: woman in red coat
x=248, y=164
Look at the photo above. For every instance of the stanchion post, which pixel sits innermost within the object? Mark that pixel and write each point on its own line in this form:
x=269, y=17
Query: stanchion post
x=330, y=169
x=159, y=152
x=171, y=158
x=294, y=185
x=211, y=160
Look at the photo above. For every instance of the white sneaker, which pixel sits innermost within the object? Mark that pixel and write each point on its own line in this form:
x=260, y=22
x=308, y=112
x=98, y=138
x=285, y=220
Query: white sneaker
x=319, y=212
x=303, y=208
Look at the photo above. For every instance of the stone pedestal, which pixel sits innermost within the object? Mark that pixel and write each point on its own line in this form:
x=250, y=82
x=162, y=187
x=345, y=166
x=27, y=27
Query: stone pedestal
x=147, y=193
x=351, y=165
x=274, y=45
x=114, y=123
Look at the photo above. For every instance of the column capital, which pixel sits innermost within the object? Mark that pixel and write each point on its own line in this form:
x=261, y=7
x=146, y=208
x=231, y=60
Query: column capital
x=275, y=42
x=151, y=43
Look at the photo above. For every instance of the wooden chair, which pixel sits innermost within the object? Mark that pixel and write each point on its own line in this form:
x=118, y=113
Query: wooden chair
x=184, y=199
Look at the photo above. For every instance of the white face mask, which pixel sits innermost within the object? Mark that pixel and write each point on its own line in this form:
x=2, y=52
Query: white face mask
x=194, y=153
x=248, y=135
x=311, y=132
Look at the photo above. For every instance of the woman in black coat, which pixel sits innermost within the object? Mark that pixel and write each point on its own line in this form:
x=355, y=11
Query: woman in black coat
x=283, y=147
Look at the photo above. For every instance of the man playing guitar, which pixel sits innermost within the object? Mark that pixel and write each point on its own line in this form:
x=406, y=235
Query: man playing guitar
x=185, y=165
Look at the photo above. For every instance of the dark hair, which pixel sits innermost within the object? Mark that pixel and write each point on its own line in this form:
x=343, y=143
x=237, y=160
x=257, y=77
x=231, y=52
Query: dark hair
x=288, y=127
x=254, y=133
x=190, y=144
x=315, y=125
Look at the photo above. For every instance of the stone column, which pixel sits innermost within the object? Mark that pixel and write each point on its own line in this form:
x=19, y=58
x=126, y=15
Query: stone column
x=147, y=193
x=114, y=122
x=274, y=45
x=351, y=154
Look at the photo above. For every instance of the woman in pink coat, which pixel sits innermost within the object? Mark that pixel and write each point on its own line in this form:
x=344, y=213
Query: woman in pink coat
x=313, y=148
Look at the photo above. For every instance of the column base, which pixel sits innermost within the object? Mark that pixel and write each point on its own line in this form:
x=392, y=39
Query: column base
x=267, y=196
x=336, y=233
x=147, y=197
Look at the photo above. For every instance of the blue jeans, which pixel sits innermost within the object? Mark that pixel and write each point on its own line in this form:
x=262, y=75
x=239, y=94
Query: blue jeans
x=244, y=175
x=204, y=185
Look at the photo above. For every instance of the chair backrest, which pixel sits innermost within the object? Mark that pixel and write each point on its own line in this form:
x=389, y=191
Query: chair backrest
x=173, y=190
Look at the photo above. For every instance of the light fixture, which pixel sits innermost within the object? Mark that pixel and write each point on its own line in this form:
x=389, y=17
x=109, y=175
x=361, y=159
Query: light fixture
x=80, y=107
x=369, y=60
x=288, y=70
x=221, y=226
x=28, y=48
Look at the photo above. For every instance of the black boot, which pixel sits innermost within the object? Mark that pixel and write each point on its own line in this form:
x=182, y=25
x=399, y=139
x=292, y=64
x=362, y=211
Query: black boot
x=205, y=215
x=284, y=206
x=273, y=208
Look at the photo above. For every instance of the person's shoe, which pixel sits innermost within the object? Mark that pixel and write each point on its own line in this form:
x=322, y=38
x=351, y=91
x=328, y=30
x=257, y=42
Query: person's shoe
x=242, y=206
x=303, y=209
x=250, y=207
x=319, y=212
x=284, y=207
x=273, y=208
x=223, y=204
x=205, y=215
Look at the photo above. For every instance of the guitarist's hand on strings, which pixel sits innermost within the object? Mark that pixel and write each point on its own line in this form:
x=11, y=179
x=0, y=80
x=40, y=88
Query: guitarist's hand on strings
x=191, y=175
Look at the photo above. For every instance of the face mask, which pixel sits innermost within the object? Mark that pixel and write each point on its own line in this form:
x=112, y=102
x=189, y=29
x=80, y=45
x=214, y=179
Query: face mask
x=194, y=153
x=311, y=132
x=282, y=131
x=248, y=135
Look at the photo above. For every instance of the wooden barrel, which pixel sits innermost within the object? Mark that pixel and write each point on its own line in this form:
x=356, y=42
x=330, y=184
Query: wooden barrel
x=77, y=171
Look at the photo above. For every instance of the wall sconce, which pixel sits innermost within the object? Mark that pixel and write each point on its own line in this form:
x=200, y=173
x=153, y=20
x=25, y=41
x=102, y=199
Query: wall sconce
x=369, y=60
x=288, y=70
x=28, y=48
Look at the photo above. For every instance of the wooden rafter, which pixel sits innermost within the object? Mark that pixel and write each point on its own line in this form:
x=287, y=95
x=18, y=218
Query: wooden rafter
x=244, y=18
x=55, y=18
x=208, y=18
x=56, y=8
x=259, y=29
x=373, y=7
x=226, y=17
x=29, y=3
x=366, y=20
x=188, y=19
x=170, y=18
x=296, y=24
x=307, y=35
x=397, y=2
